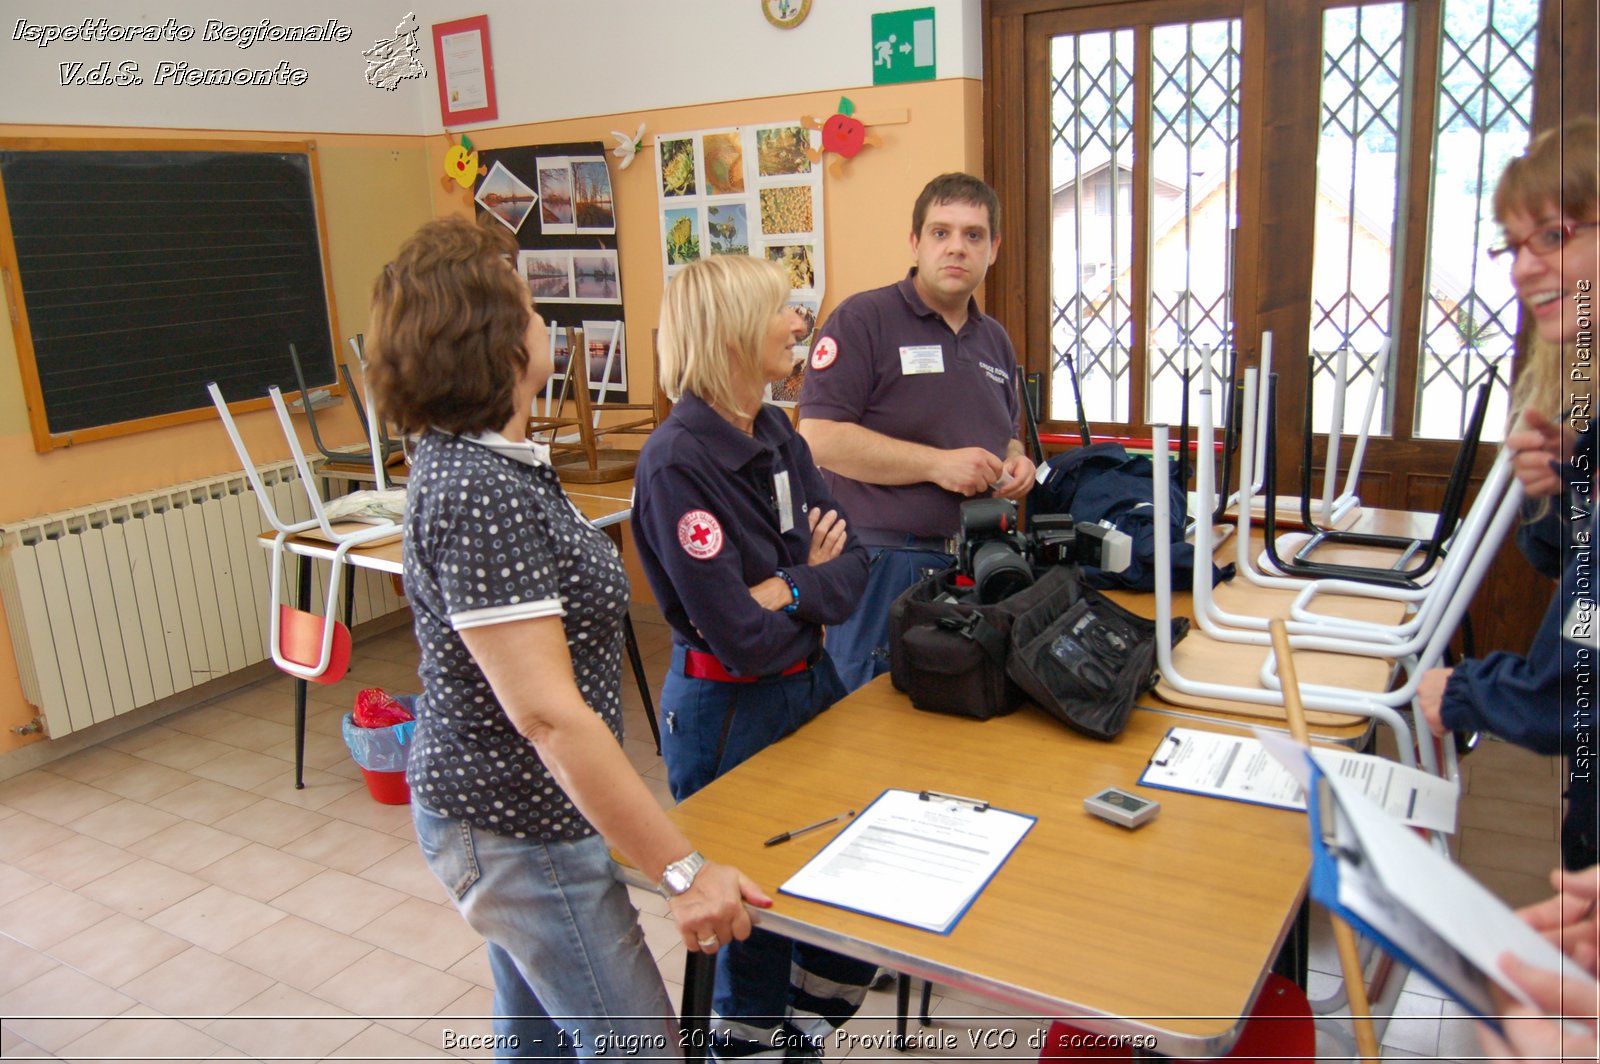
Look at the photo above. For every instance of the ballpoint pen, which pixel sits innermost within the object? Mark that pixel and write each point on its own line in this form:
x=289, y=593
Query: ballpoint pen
x=785, y=836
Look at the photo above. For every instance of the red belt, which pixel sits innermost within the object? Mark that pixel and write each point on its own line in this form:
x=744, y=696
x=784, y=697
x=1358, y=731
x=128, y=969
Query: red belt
x=702, y=666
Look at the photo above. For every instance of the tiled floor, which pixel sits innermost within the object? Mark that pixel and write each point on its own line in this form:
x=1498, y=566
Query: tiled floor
x=169, y=895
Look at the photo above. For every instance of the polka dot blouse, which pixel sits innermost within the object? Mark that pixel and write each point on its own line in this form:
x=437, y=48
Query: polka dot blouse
x=490, y=538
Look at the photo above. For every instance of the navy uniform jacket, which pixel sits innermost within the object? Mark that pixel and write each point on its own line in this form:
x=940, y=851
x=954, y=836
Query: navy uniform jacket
x=1533, y=700
x=706, y=522
x=1547, y=541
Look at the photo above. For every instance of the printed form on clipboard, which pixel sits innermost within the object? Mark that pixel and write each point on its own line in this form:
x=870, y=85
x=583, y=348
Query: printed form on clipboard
x=1386, y=882
x=1245, y=768
x=914, y=857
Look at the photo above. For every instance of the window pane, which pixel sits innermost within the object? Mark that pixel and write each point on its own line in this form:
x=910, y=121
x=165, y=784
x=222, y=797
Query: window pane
x=1358, y=183
x=1091, y=173
x=1469, y=318
x=1194, y=149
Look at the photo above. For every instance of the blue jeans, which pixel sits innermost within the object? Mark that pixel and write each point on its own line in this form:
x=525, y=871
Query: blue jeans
x=860, y=646
x=573, y=977
x=771, y=993
x=709, y=726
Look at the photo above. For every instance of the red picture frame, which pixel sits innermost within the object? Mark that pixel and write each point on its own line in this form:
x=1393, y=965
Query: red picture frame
x=469, y=72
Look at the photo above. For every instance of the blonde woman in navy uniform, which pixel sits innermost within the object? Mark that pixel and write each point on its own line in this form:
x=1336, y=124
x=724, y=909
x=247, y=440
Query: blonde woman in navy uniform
x=748, y=556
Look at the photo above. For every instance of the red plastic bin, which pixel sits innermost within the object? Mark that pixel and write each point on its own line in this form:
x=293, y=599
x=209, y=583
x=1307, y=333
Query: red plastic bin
x=390, y=788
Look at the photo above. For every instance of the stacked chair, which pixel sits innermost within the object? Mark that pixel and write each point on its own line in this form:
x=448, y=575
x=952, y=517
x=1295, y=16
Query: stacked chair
x=309, y=647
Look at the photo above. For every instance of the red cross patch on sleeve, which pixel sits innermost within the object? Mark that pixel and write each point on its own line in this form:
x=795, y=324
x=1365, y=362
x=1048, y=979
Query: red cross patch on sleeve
x=824, y=353
x=700, y=535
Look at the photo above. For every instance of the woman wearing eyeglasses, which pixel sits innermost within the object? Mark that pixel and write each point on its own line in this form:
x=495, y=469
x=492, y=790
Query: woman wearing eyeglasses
x=1548, y=203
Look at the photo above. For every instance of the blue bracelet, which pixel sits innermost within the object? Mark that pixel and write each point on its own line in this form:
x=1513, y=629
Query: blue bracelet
x=794, y=592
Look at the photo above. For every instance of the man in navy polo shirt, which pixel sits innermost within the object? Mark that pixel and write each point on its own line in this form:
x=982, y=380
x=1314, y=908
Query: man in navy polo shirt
x=910, y=405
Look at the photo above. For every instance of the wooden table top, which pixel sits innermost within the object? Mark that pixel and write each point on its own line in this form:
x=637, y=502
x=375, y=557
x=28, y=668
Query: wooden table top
x=1165, y=930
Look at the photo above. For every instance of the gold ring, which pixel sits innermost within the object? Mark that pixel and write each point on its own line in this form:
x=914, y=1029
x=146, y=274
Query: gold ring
x=709, y=941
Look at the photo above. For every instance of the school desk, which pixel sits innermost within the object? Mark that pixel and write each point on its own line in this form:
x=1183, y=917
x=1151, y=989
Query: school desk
x=1166, y=930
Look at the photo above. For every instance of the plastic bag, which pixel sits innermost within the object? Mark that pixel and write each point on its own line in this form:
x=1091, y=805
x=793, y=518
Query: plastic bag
x=377, y=708
x=379, y=749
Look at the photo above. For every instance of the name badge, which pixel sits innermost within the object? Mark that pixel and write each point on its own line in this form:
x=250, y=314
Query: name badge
x=924, y=359
x=783, y=500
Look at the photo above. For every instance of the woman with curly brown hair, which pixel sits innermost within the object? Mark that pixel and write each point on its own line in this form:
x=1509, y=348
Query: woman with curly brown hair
x=517, y=775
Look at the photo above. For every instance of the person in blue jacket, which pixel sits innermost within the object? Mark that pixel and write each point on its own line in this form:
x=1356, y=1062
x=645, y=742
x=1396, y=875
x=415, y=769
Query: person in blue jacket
x=749, y=557
x=1546, y=202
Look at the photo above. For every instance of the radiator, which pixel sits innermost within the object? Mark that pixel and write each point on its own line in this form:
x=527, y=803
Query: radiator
x=118, y=605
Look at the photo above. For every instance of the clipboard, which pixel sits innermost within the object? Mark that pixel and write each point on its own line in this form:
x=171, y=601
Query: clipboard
x=1252, y=770
x=1416, y=904
x=918, y=858
x=1191, y=761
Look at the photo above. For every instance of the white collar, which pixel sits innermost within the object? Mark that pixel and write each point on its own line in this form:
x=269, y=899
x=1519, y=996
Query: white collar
x=527, y=452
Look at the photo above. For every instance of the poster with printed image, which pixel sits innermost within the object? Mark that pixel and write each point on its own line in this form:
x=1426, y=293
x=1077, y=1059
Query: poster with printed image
x=605, y=345
x=752, y=191
x=787, y=391
x=548, y=273
x=728, y=226
x=567, y=241
x=592, y=207
x=723, y=154
x=555, y=196
x=595, y=278
x=560, y=354
x=781, y=150
x=506, y=196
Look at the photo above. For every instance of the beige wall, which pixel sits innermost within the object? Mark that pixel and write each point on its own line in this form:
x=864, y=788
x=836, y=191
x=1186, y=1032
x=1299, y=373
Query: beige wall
x=376, y=189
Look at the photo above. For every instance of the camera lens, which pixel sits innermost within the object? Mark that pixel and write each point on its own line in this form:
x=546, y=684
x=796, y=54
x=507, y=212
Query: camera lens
x=999, y=571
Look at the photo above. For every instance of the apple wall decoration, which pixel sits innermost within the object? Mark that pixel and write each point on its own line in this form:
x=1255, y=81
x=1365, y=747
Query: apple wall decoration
x=843, y=134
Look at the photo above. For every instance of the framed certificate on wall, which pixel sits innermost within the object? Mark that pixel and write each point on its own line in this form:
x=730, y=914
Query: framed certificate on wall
x=466, y=71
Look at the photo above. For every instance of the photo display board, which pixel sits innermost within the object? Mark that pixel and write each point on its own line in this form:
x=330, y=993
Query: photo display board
x=747, y=190
x=557, y=199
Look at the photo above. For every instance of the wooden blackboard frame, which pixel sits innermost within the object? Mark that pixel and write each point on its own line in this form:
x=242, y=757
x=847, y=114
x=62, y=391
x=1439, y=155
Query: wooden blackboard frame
x=44, y=438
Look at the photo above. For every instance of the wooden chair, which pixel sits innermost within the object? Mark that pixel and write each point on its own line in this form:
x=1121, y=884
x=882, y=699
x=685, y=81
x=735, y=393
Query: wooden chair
x=581, y=456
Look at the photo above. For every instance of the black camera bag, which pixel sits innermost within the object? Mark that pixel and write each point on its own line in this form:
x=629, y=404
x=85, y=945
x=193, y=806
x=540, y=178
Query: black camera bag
x=950, y=657
x=1086, y=660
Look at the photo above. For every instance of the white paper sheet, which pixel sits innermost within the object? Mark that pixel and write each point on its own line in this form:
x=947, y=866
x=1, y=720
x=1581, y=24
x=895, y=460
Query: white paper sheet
x=1396, y=882
x=1247, y=769
x=915, y=860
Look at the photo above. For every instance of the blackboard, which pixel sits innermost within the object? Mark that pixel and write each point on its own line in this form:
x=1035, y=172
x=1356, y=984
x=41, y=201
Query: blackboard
x=146, y=272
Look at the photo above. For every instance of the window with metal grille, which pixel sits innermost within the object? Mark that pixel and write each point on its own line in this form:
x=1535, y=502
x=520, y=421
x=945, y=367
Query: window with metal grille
x=1188, y=180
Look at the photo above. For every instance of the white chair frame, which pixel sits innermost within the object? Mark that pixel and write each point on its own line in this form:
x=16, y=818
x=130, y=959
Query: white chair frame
x=1365, y=706
x=1314, y=631
x=343, y=541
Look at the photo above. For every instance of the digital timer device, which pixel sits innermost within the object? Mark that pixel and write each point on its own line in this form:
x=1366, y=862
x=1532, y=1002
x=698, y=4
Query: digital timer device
x=1120, y=807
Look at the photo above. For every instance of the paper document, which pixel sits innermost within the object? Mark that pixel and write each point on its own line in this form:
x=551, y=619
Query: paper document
x=1415, y=902
x=915, y=858
x=1248, y=769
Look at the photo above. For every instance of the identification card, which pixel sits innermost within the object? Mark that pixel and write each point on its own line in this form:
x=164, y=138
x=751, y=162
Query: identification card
x=783, y=500
x=924, y=359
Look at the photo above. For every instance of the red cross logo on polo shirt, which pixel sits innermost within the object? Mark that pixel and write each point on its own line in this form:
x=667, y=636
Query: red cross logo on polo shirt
x=700, y=535
x=823, y=355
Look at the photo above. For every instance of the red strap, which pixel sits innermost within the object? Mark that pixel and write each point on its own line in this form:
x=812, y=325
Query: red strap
x=702, y=666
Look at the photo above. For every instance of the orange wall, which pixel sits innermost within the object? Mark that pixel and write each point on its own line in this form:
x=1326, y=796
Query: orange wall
x=867, y=209
x=377, y=189
x=373, y=194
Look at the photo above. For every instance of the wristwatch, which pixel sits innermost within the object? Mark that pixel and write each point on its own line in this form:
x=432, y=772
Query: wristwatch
x=679, y=875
